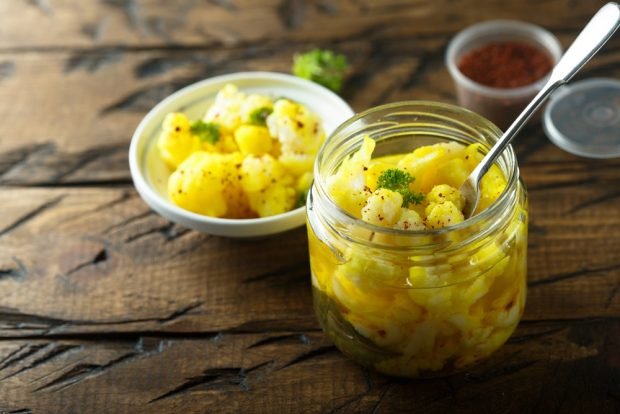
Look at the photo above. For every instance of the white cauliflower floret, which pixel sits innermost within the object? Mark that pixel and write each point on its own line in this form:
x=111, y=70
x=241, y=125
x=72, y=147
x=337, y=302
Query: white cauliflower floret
x=260, y=172
x=251, y=104
x=297, y=129
x=226, y=110
x=409, y=220
x=383, y=208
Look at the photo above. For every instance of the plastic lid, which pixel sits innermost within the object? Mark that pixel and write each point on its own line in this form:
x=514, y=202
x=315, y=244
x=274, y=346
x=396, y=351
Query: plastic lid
x=584, y=118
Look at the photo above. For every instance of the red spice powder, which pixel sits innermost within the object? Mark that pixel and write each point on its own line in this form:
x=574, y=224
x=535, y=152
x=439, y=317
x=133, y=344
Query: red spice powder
x=505, y=64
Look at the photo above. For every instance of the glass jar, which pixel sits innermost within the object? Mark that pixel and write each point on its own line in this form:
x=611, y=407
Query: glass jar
x=417, y=303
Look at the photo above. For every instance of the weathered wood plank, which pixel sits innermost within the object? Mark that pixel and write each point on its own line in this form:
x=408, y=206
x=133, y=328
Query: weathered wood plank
x=152, y=23
x=83, y=143
x=79, y=260
x=106, y=307
x=109, y=263
x=301, y=372
x=78, y=131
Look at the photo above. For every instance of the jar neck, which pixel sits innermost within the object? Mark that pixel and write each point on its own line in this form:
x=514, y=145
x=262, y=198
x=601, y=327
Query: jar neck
x=400, y=128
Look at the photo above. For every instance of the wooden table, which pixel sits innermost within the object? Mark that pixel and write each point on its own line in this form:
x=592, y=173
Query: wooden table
x=105, y=307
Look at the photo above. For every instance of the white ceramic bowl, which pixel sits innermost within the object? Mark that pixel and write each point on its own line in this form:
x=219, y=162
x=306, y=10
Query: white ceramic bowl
x=150, y=174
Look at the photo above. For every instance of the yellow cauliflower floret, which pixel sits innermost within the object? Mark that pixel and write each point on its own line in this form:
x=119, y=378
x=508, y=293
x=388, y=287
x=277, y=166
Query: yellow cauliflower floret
x=253, y=139
x=176, y=142
x=274, y=199
x=473, y=155
x=297, y=129
x=409, y=220
x=198, y=183
x=492, y=186
x=452, y=150
x=238, y=205
x=374, y=171
x=443, y=215
x=237, y=202
x=444, y=192
x=260, y=172
x=382, y=208
x=488, y=256
x=276, y=149
x=304, y=182
x=347, y=185
x=453, y=172
x=297, y=164
x=421, y=162
x=225, y=144
x=350, y=285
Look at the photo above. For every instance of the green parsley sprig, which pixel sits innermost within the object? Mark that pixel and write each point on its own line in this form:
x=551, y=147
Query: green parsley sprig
x=259, y=116
x=206, y=131
x=398, y=180
x=321, y=66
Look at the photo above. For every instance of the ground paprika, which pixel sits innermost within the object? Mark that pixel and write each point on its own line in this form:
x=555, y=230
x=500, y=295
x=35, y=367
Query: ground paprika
x=505, y=64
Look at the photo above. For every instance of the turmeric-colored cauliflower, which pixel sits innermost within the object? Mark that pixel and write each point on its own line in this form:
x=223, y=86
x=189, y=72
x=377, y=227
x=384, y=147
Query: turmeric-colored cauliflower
x=249, y=156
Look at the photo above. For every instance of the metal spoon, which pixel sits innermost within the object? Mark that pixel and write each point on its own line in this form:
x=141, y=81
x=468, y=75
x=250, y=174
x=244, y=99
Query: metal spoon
x=596, y=33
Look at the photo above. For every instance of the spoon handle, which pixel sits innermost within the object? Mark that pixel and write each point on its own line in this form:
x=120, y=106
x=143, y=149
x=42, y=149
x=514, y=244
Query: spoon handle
x=596, y=33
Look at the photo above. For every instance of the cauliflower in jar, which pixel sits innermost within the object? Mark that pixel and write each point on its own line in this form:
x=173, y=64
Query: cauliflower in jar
x=370, y=188
x=432, y=310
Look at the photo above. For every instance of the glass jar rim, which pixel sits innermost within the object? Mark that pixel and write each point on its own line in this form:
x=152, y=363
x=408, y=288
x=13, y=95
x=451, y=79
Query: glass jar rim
x=492, y=210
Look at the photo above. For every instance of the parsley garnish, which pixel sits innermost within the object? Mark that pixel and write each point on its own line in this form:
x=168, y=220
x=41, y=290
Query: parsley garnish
x=206, y=131
x=321, y=66
x=398, y=180
x=259, y=116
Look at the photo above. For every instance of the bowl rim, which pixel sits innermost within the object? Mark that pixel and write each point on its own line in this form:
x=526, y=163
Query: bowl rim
x=502, y=27
x=185, y=217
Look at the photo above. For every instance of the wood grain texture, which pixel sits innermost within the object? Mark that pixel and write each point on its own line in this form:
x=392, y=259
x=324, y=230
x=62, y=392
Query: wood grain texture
x=300, y=372
x=153, y=23
x=106, y=307
x=75, y=143
x=103, y=248
x=110, y=264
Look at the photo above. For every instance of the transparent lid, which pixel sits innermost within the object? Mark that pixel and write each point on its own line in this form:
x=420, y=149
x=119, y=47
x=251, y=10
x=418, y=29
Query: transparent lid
x=584, y=118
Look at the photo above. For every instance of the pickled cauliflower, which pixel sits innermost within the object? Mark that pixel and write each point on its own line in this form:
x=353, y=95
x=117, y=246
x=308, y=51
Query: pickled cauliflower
x=408, y=311
x=425, y=182
x=249, y=156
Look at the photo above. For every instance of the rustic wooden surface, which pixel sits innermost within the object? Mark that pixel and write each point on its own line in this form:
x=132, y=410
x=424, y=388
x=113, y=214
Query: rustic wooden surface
x=105, y=307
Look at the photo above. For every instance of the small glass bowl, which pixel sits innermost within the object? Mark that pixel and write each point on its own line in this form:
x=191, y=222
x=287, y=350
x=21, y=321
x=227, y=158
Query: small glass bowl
x=500, y=105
